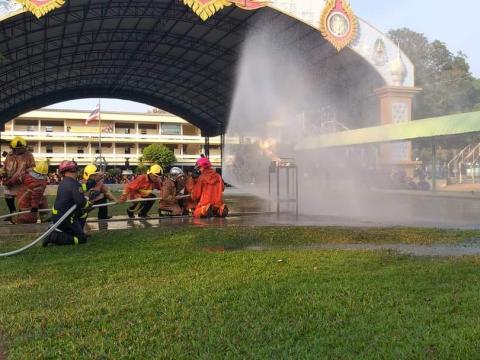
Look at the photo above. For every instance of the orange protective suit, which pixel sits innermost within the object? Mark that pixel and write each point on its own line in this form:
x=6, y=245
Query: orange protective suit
x=169, y=201
x=189, y=204
x=31, y=196
x=208, y=191
x=141, y=187
x=15, y=167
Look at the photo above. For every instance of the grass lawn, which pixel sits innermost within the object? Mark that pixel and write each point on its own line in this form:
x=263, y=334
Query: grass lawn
x=168, y=293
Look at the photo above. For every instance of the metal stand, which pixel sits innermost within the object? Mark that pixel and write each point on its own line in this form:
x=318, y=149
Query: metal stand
x=290, y=186
x=101, y=163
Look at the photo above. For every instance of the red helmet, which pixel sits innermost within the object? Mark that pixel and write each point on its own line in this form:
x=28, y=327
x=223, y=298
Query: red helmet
x=204, y=163
x=68, y=166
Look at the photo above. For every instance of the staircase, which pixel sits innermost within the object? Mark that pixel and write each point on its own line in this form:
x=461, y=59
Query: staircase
x=464, y=168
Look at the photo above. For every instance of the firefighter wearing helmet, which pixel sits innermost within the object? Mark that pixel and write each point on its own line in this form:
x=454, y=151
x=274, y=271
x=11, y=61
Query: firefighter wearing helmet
x=169, y=194
x=142, y=188
x=31, y=194
x=18, y=161
x=96, y=190
x=69, y=193
x=188, y=204
x=208, y=192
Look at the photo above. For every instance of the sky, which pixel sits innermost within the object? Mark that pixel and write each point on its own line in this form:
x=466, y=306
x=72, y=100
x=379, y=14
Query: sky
x=453, y=23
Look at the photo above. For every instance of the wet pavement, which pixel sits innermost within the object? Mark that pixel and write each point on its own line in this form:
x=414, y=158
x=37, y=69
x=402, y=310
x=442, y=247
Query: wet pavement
x=393, y=210
x=404, y=249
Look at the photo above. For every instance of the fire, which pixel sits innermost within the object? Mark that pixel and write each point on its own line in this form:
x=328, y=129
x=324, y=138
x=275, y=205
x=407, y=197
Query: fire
x=268, y=147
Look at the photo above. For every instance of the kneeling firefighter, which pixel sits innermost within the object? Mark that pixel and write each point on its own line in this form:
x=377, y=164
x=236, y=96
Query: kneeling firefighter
x=188, y=204
x=142, y=187
x=96, y=190
x=208, y=191
x=168, y=205
x=70, y=231
x=31, y=196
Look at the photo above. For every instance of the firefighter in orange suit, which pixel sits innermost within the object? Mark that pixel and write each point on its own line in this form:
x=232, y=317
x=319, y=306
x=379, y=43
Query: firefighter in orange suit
x=31, y=196
x=208, y=191
x=169, y=204
x=142, y=187
x=16, y=164
x=189, y=204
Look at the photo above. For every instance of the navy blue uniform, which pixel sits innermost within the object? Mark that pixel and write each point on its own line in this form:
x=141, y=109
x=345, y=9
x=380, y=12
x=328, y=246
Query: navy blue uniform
x=70, y=231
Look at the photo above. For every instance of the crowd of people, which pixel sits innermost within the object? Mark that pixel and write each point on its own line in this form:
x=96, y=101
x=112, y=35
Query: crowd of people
x=199, y=193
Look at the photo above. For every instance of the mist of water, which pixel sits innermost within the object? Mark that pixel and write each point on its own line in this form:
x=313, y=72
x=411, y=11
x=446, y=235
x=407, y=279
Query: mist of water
x=277, y=103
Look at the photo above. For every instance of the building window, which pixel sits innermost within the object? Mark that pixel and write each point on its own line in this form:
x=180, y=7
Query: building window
x=49, y=128
x=143, y=131
x=127, y=131
x=127, y=150
x=80, y=150
x=30, y=128
x=49, y=149
x=171, y=129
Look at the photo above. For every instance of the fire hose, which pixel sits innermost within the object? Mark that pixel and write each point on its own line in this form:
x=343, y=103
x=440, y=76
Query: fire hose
x=93, y=207
x=57, y=224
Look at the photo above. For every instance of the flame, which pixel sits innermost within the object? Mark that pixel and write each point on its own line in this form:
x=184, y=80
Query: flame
x=268, y=148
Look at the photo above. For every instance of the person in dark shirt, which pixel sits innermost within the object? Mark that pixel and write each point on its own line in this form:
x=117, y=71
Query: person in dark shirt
x=69, y=193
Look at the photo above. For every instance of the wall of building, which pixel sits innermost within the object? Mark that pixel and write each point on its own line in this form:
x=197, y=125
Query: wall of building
x=60, y=135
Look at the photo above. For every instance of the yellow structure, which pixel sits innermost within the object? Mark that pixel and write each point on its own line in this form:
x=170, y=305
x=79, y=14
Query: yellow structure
x=62, y=134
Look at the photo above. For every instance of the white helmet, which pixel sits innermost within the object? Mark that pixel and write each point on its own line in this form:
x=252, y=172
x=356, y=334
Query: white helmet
x=175, y=173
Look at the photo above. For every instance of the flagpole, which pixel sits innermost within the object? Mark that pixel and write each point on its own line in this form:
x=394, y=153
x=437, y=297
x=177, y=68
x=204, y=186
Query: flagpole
x=99, y=128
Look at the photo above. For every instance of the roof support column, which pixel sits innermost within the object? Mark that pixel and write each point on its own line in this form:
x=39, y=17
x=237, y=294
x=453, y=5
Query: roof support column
x=396, y=107
x=206, y=147
x=434, y=165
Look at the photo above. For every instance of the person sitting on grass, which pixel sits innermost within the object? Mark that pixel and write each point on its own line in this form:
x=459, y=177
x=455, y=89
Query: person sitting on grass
x=142, y=187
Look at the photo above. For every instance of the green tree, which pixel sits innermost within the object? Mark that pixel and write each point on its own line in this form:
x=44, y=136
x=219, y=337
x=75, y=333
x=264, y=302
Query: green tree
x=141, y=169
x=158, y=154
x=476, y=84
x=448, y=86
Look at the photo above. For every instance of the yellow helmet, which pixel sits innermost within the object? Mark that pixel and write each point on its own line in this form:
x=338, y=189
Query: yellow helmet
x=41, y=167
x=89, y=171
x=155, y=170
x=18, y=142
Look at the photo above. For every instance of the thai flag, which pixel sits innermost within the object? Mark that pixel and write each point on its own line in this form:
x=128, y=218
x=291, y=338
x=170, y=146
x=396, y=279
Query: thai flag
x=94, y=115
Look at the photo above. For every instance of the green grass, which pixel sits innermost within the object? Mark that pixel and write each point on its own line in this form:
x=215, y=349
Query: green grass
x=166, y=293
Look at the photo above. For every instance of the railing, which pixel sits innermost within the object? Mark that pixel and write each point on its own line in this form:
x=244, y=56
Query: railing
x=115, y=158
x=71, y=136
x=464, y=167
